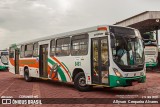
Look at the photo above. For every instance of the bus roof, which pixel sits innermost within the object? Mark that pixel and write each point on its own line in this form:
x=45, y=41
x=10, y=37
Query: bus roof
x=65, y=34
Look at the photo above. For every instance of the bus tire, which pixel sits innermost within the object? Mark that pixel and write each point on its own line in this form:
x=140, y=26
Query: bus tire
x=80, y=82
x=26, y=75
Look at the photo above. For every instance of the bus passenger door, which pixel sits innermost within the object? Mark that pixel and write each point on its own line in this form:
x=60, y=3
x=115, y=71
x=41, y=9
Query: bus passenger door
x=16, y=61
x=99, y=60
x=43, y=56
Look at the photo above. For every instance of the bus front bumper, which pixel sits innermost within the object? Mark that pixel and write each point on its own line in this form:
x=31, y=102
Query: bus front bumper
x=151, y=64
x=121, y=81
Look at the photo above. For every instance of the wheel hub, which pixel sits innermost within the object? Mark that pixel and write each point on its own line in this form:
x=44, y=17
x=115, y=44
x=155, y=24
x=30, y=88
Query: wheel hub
x=82, y=81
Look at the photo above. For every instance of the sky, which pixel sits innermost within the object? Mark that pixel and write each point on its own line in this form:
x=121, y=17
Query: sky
x=23, y=20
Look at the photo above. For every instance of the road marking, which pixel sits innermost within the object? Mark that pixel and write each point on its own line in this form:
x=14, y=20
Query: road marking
x=7, y=88
x=36, y=90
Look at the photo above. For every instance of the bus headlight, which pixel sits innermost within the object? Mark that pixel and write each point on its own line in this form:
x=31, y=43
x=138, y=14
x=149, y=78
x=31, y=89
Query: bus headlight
x=141, y=73
x=117, y=72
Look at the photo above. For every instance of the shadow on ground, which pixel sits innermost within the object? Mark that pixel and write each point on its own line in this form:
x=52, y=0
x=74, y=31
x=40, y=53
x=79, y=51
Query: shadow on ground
x=103, y=90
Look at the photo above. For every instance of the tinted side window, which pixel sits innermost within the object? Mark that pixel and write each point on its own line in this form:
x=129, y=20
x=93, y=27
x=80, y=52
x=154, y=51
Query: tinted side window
x=35, y=51
x=52, y=47
x=29, y=50
x=22, y=51
x=79, y=45
x=63, y=46
x=11, y=52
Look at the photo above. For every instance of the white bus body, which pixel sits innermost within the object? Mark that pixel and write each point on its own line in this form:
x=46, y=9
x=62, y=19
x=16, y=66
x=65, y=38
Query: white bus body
x=151, y=52
x=151, y=56
x=86, y=57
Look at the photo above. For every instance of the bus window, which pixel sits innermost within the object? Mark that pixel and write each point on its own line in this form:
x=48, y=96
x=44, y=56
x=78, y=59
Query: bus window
x=4, y=57
x=11, y=53
x=29, y=50
x=79, y=45
x=52, y=47
x=35, y=51
x=22, y=51
x=63, y=46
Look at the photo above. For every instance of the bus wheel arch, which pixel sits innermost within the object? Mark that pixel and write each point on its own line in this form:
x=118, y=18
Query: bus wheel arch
x=75, y=72
x=26, y=74
x=79, y=80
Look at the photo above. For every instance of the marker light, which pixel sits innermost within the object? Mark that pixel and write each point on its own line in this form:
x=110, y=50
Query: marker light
x=101, y=28
x=117, y=72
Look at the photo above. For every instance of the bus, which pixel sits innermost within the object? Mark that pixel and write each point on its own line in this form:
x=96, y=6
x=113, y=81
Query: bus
x=107, y=56
x=151, y=53
x=3, y=59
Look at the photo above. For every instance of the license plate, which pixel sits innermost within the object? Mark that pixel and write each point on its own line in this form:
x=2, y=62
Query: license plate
x=134, y=83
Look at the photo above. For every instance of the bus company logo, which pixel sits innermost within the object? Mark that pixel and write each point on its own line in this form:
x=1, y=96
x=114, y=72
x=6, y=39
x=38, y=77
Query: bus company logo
x=6, y=101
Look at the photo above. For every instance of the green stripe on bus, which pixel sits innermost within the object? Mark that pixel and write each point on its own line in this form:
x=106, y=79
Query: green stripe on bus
x=66, y=67
x=59, y=71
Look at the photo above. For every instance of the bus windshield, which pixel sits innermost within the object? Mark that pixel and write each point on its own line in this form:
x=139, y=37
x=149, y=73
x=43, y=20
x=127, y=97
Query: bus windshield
x=4, y=58
x=128, y=50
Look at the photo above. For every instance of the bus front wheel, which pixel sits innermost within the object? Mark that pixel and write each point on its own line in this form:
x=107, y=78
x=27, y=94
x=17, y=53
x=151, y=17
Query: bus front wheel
x=26, y=75
x=80, y=82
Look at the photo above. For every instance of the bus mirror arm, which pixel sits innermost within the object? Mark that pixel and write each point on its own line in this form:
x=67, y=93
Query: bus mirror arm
x=112, y=40
x=112, y=43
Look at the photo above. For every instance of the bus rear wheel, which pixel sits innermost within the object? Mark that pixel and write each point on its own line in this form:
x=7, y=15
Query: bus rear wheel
x=80, y=82
x=26, y=75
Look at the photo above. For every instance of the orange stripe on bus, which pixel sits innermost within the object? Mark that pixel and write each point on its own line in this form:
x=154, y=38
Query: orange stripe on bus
x=29, y=62
x=11, y=61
